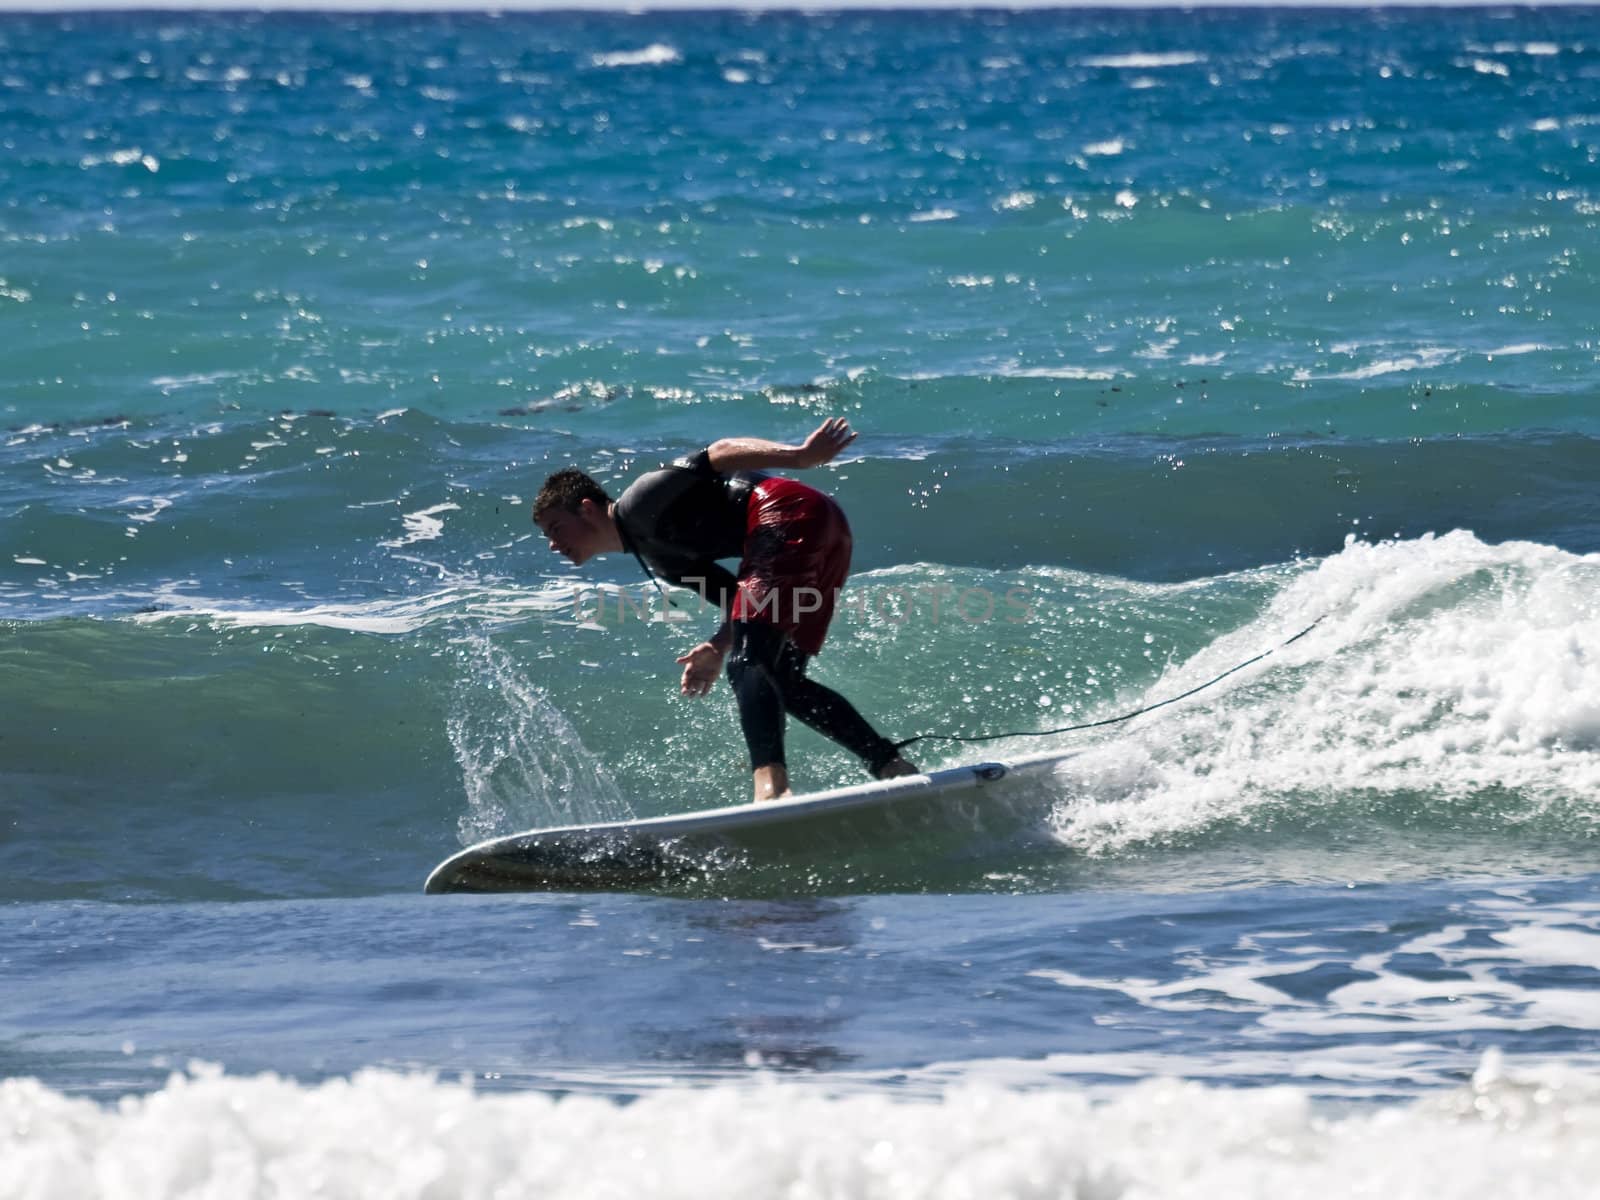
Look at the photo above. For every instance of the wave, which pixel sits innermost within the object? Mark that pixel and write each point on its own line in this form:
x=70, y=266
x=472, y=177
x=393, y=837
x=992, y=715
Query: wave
x=1442, y=712
x=318, y=513
x=1535, y=1131
x=1450, y=683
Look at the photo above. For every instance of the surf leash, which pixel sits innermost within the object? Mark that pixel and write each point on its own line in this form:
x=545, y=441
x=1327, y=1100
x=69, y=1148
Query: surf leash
x=990, y=737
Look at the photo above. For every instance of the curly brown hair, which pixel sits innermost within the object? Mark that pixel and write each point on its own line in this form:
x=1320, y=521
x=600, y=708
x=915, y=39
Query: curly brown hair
x=567, y=489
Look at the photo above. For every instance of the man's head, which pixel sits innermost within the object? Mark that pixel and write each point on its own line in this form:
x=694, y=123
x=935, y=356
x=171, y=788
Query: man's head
x=574, y=513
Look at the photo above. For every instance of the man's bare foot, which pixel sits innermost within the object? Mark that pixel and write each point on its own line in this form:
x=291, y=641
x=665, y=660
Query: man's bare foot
x=772, y=783
x=895, y=768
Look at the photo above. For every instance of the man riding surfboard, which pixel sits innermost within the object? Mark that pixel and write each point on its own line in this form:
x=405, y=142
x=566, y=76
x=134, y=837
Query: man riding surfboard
x=793, y=544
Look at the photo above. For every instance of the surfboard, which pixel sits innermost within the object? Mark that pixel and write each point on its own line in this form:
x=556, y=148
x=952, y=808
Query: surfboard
x=850, y=832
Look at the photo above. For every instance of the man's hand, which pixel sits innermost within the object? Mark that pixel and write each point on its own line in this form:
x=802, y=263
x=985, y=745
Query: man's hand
x=701, y=667
x=756, y=454
x=825, y=443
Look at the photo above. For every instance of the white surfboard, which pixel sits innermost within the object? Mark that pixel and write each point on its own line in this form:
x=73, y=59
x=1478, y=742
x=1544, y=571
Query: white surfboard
x=851, y=832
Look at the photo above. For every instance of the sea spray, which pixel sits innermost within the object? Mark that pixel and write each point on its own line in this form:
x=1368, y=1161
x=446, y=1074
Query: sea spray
x=1448, y=676
x=522, y=762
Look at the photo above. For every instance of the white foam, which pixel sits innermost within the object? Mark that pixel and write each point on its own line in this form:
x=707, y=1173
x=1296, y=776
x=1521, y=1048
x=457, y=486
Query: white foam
x=422, y=526
x=386, y=1134
x=657, y=54
x=1444, y=667
x=1145, y=62
x=122, y=158
x=1061, y=372
x=556, y=600
x=1017, y=201
x=158, y=505
x=175, y=383
x=1423, y=358
x=1477, y=983
x=1237, y=984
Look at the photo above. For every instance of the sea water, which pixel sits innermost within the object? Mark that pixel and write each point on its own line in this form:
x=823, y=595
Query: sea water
x=1168, y=335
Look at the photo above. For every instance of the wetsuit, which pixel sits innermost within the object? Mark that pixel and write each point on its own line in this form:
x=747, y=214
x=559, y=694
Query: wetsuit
x=793, y=543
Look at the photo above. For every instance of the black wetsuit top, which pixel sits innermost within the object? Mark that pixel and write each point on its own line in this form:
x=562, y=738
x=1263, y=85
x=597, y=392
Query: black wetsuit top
x=679, y=520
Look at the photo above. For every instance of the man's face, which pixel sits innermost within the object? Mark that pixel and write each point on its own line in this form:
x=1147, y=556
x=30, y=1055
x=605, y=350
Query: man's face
x=575, y=536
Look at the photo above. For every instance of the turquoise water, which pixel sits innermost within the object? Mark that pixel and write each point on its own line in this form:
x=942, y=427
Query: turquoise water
x=1166, y=335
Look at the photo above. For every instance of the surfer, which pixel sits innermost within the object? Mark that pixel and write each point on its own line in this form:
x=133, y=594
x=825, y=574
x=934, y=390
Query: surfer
x=793, y=545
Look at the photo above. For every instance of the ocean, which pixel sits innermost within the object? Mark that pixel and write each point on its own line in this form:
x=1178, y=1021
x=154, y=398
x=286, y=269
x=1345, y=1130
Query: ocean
x=1167, y=334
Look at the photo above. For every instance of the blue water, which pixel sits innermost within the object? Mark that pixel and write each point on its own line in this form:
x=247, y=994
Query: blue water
x=1187, y=329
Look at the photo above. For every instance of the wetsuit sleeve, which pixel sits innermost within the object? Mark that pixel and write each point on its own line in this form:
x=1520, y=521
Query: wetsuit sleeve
x=699, y=464
x=719, y=587
x=715, y=583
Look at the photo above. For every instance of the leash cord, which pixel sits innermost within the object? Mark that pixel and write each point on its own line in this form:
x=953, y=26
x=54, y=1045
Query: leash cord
x=989, y=737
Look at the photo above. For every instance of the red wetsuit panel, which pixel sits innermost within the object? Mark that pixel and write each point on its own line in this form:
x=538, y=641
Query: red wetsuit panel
x=796, y=557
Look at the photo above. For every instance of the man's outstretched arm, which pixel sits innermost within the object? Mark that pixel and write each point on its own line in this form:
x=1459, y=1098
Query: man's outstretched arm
x=823, y=445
